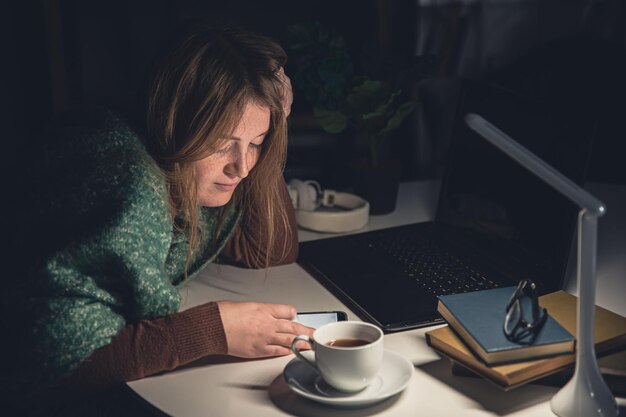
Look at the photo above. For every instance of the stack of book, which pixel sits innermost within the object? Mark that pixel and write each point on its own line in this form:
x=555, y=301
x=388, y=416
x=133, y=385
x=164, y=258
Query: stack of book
x=474, y=337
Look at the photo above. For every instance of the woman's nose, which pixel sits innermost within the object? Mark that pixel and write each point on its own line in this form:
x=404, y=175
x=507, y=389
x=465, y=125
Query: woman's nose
x=239, y=165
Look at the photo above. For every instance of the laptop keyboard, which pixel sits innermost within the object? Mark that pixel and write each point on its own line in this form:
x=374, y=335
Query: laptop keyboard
x=430, y=266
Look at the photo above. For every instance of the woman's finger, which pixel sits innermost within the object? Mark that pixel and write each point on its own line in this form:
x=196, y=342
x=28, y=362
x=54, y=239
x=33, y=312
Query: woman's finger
x=282, y=311
x=273, y=350
x=282, y=339
x=285, y=341
x=293, y=328
x=287, y=93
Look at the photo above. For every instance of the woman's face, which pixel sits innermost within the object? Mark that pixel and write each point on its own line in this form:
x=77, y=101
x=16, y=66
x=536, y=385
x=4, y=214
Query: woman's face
x=219, y=174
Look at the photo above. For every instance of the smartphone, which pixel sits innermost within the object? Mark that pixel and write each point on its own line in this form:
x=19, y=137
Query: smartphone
x=316, y=319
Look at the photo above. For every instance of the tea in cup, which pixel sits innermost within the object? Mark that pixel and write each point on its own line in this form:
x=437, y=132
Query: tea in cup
x=347, y=354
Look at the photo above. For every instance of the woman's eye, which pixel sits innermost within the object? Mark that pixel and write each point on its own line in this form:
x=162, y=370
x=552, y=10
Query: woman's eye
x=224, y=149
x=255, y=147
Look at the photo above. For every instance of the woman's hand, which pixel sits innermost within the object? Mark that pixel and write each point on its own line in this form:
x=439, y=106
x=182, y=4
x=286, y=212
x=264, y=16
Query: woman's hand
x=287, y=93
x=255, y=330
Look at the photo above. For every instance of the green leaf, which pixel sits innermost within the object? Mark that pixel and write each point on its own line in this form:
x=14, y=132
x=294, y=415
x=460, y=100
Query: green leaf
x=331, y=121
x=366, y=96
x=384, y=108
x=401, y=113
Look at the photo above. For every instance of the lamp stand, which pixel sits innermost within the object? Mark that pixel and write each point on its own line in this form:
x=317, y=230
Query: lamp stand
x=586, y=394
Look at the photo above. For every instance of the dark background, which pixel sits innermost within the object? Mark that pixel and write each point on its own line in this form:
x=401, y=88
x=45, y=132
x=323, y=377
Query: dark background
x=57, y=54
x=61, y=53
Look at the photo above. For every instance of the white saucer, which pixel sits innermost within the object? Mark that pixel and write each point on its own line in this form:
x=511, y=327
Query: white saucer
x=395, y=374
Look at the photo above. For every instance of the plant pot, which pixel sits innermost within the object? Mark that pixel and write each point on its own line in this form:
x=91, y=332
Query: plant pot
x=378, y=185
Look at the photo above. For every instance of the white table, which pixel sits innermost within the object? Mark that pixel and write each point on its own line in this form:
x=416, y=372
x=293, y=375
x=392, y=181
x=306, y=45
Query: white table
x=223, y=386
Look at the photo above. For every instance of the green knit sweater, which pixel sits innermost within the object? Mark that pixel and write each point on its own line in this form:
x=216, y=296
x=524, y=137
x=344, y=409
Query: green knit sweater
x=99, y=248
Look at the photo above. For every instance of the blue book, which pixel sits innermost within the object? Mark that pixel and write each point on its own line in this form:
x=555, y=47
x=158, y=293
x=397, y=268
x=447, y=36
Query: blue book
x=478, y=317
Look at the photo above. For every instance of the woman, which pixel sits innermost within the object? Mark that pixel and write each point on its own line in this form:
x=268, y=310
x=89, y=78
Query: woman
x=119, y=218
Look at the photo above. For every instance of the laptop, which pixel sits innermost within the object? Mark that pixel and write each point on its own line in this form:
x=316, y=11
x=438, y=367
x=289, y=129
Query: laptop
x=495, y=222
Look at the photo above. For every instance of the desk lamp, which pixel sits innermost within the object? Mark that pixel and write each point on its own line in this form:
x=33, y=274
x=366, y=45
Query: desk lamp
x=586, y=394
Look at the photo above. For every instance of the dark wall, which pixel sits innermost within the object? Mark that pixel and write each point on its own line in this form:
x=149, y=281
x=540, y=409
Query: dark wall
x=561, y=52
x=60, y=53
x=70, y=52
x=106, y=45
x=26, y=99
x=588, y=74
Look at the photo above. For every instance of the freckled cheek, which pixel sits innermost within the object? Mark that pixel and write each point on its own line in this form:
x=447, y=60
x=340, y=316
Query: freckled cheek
x=202, y=182
x=253, y=158
x=205, y=173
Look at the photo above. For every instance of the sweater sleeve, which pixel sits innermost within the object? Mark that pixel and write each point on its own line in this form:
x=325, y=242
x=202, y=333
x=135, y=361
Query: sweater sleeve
x=152, y=346
x=246, y=247
x=95, y=238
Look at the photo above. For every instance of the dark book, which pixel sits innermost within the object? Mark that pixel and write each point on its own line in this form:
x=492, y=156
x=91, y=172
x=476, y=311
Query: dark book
x=478, y=317
x=612, y=367
x=609, y=336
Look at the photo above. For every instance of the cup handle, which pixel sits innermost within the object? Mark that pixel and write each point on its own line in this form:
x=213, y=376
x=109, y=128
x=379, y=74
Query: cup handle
x=296, y=351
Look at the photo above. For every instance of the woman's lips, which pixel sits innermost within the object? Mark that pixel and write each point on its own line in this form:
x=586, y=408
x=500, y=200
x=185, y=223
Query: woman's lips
x=226, y=187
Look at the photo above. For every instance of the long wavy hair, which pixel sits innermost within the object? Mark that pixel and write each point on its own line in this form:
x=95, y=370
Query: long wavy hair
x=198, y=96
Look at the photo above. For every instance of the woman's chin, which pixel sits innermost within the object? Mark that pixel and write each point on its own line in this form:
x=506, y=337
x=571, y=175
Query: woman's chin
x=216, y=201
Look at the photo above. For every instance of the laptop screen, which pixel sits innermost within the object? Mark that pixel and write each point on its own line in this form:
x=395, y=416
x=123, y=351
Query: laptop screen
x=488, y=195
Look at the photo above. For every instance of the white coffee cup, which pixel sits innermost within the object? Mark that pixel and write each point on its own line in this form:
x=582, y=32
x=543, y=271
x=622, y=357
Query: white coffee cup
x=346, y=368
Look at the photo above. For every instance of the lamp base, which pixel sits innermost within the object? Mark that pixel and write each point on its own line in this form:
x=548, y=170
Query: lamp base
x=585, y=395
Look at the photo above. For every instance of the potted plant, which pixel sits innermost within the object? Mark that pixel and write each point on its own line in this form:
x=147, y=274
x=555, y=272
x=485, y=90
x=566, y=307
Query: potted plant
x=367, y=106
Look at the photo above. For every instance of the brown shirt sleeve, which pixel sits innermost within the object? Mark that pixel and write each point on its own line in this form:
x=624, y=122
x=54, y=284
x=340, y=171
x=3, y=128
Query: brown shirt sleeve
x=152, y=346
x=246, y=248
